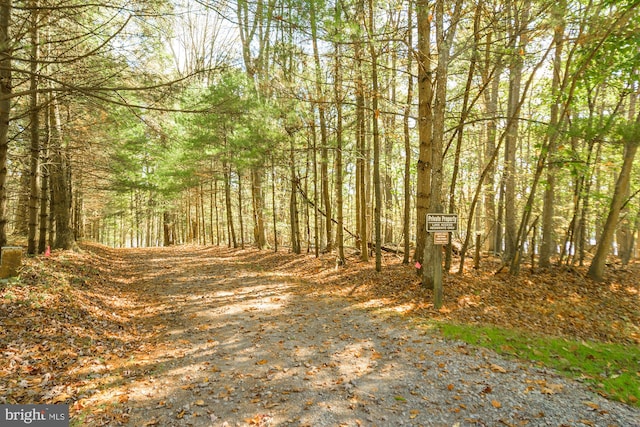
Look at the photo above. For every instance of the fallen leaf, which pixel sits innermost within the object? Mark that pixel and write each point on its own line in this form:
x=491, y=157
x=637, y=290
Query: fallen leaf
x=551, y=389
x=496, y=404
x=498, y=368
x=63, y=397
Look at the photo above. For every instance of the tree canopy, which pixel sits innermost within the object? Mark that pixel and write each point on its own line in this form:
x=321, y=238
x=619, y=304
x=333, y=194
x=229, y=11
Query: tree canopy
x=322, y=125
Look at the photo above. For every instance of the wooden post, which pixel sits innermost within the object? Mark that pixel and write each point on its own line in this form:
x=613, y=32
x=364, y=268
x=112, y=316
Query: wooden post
x=10, y=261
x=437, y=277
x=476, y=257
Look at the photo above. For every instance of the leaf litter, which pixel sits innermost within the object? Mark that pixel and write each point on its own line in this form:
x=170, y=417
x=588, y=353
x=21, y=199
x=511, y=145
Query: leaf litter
x=227, y=337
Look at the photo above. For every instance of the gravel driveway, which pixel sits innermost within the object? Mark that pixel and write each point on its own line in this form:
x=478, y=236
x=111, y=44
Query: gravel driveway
x=238, y=346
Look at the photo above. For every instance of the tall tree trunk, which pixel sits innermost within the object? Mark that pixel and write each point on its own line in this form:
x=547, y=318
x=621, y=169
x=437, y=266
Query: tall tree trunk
x=21, y=215
x=6, y=51
x=361, y=190
x=425, y=127
x=60, y=182
x=169, y=228
x=517, y=44
x=293, y=201
x=273, y=203
x=316, y=218
x=376, y=142
x=324, y=142
x=460, y=129
x=241, y=211
x=433, y=253
x=338, y=172
x=389, y=139
x=492, y=227
x=44, y=191
x=407, y=142
x=547, y=246
x=227, y=197
x=258, y=208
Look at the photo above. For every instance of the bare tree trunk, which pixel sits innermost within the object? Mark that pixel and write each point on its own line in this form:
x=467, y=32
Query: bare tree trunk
x=407, y=142
x=273, y=202
x=60, y=182
x=491, y=226
x=293, y=201
x=517, y=44
x=316, y=219
x=5, y=108
x=460, y=129
x=425, y=128
x=227, y=193
x=324, y=142
x=241, y=210
x=338, y=171
x=169, y=228
x=547, y=246
x=376, y=142
x=389, y=139
x=361, y=190
x=433, y=253
x=44, y=193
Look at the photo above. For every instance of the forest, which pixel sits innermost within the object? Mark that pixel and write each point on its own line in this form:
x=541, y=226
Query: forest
x=224, y=205
x=324, y=126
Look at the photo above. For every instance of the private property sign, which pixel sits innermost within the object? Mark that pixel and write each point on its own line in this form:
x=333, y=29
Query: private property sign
x=442, y=222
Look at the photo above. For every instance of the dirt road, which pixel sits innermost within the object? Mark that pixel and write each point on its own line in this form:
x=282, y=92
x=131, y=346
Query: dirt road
x=234, y=342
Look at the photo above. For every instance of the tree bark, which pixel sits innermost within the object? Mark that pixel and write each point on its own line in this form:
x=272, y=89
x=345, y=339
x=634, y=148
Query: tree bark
x=407, y=142
x=5, y=108
x=596, y=269
x=324, y=140
x=518, y=43
x=425, y=127
x=338, y=173
x=461, y=124
x=361, y=187
x=60, y=182
x=433, y=253
x=293, y=201
x=548, y=238
x=227, y=197
x=376, y=142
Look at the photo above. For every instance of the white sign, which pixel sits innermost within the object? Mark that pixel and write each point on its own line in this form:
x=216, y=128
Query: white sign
x=442, y=222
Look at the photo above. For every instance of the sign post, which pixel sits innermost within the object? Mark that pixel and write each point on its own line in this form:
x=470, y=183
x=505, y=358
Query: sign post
x=440, y=225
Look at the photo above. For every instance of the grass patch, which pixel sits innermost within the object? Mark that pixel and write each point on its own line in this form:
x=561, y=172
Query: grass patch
x=613, y=370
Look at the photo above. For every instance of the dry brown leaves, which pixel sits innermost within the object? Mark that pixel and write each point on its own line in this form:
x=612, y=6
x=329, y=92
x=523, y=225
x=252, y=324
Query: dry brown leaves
x=560, y=301
x=70, y=328
x=67, y=330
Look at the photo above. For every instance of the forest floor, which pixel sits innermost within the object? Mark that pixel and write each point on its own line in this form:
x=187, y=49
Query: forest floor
x=209, y=336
